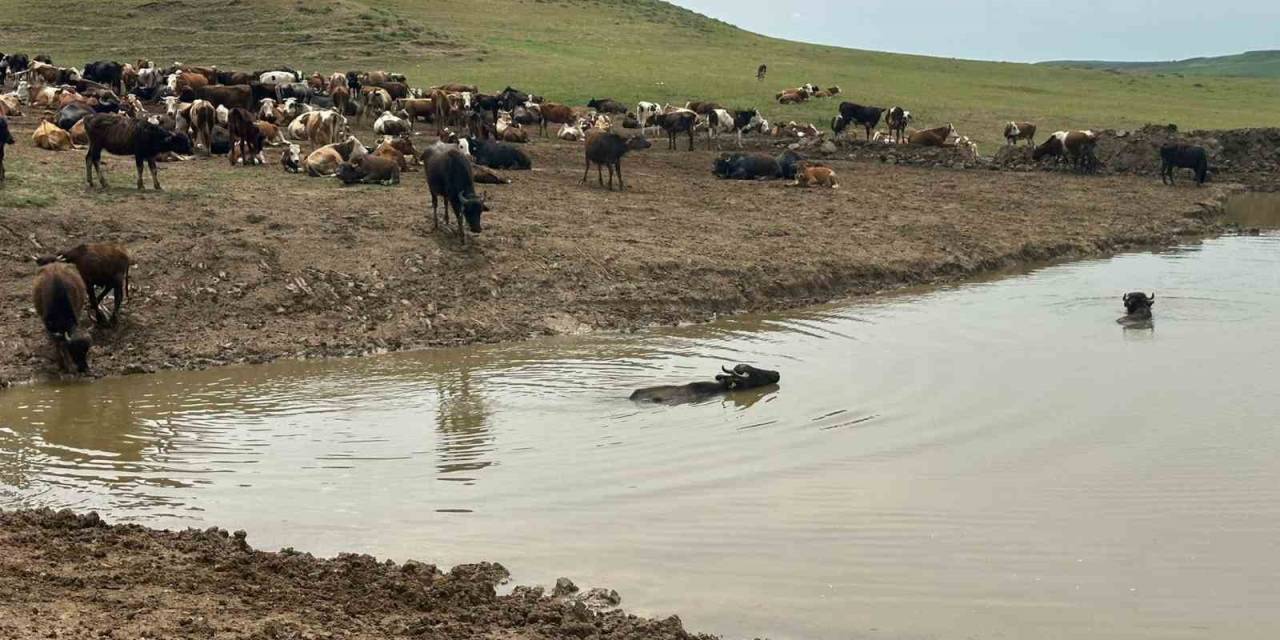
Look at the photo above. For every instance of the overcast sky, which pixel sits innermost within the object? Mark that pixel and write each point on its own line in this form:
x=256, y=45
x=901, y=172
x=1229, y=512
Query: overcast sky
x=1015, y=30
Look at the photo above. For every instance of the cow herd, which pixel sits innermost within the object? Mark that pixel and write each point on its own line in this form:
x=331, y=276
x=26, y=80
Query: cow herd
x=156, y=114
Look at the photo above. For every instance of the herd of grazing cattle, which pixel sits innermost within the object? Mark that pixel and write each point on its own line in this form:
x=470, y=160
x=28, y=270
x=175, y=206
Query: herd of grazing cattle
x=206, y=110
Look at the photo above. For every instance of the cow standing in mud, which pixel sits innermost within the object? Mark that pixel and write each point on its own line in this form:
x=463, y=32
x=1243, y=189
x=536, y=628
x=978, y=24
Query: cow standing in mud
x=1183, y=156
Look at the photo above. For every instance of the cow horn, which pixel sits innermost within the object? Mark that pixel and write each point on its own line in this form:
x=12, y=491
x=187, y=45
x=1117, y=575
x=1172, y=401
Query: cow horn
x=1127, y=296
x=1153, y=296
x=726, y=370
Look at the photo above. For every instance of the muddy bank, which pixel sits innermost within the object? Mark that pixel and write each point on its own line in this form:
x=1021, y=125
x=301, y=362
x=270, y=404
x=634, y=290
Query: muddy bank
x=64, y=575
x=239, y=265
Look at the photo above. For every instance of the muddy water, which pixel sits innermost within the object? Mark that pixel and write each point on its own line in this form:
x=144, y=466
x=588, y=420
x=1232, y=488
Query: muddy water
x=999, y=459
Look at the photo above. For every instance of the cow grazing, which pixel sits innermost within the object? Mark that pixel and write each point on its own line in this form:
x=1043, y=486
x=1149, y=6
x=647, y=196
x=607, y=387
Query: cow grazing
x=6, y=139
x=1183, y=156
x=606, y=149
x=59, y=297
x=122, y=135
x=499, y=155
x=369, y=169
x=1015, y=131
x=898, y=118
x=851, y=113
x=816, y=175
x=325, y=160
x=936, y=137
x=1075, y=147
x=449, y=177
x=49, y=137
x=746, y=166
x=104, y=265
x=676, y=123
x=246, y=138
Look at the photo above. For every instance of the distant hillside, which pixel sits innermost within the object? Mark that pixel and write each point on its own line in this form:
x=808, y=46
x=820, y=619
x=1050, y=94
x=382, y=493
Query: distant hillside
x=629, y=50
x=1255, y=64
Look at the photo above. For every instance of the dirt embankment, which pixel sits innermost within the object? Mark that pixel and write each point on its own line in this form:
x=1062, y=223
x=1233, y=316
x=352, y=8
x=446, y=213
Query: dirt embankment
x=64, y=575
x=1250, y=156
x=250, y=264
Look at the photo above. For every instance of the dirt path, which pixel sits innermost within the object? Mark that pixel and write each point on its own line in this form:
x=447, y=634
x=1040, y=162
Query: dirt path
x=64, y=575
x=251, y=264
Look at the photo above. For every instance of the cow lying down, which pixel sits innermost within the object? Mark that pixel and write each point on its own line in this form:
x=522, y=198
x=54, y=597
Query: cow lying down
x=369, y=169
x=757, y=166
x=739, y=378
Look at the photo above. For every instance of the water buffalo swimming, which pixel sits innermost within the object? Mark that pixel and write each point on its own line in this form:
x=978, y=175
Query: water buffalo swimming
x=1137, y=307
x=739, y=378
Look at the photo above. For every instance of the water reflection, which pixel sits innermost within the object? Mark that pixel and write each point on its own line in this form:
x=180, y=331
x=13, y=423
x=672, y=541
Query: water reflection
x=462, y=422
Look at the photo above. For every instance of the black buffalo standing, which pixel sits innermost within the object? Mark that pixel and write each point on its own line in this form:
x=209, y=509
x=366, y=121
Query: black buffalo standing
x=123, y=136
x=1183, y=156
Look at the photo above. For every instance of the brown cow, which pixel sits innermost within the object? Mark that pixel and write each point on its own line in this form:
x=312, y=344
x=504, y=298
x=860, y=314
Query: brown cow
x=49, y=137
x=1015, y=131
x=454, y=87
x=792, y=97
x=229, y=96
x=246, y=138
x=59, y=297
x=202, y=117
x=415, y=108
x=935, y=137
x=184, y=80
x=444, y=111
x=341, y=96
x=555, y=114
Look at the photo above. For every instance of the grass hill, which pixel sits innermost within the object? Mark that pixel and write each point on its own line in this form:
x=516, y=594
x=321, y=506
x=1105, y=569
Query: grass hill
x=1255, y=64
x=572, y=50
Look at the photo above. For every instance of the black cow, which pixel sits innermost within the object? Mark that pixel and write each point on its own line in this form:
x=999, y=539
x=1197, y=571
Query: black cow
x=850, y=113
x=353, y=82
x=1183, y=156
x=605, y=105
x=512, y=98
x=676, y=123
x=6, y=138
x=107, y=72
x=747, y=166
x=789, y=163
x=449, y=177
x=123, y=136
x=17, y=62
x=739, y=378
x=69, y=115
x=499, y=155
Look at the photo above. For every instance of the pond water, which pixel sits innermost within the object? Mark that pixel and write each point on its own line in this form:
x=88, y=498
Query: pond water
x=998, y=459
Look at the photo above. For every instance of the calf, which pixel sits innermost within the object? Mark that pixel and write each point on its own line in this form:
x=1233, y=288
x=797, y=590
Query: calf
x=370, y=169
x=103, y=265
x=449, y=177
x=1183, y=156
x=1015, y=131
x=851, y=113
x=6, y=139
x=677, y=122
x=898, y=119
x=812, y=175
x=59, y=297
x=122, y=135
x=607, y=149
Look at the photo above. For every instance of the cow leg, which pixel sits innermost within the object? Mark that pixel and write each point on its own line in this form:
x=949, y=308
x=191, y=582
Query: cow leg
x=611, y=176
x=155, y=176
x=618, y=166
x=117, y=289
x=586, y=172
x=95, y=303
x=435, y=212
x=691, y=139
x=137, y=160
x=88, y=166
x=97, y=166
x=600, y=174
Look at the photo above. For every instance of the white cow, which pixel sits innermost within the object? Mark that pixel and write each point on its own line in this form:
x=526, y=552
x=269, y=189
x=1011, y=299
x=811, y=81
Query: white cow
x=570, y=133
x=278, y=77
x=267, y=110
x=388, y=124
x=645, y=111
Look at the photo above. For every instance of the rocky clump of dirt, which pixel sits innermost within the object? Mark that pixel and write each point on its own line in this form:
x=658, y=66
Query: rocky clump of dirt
x=67, y=575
